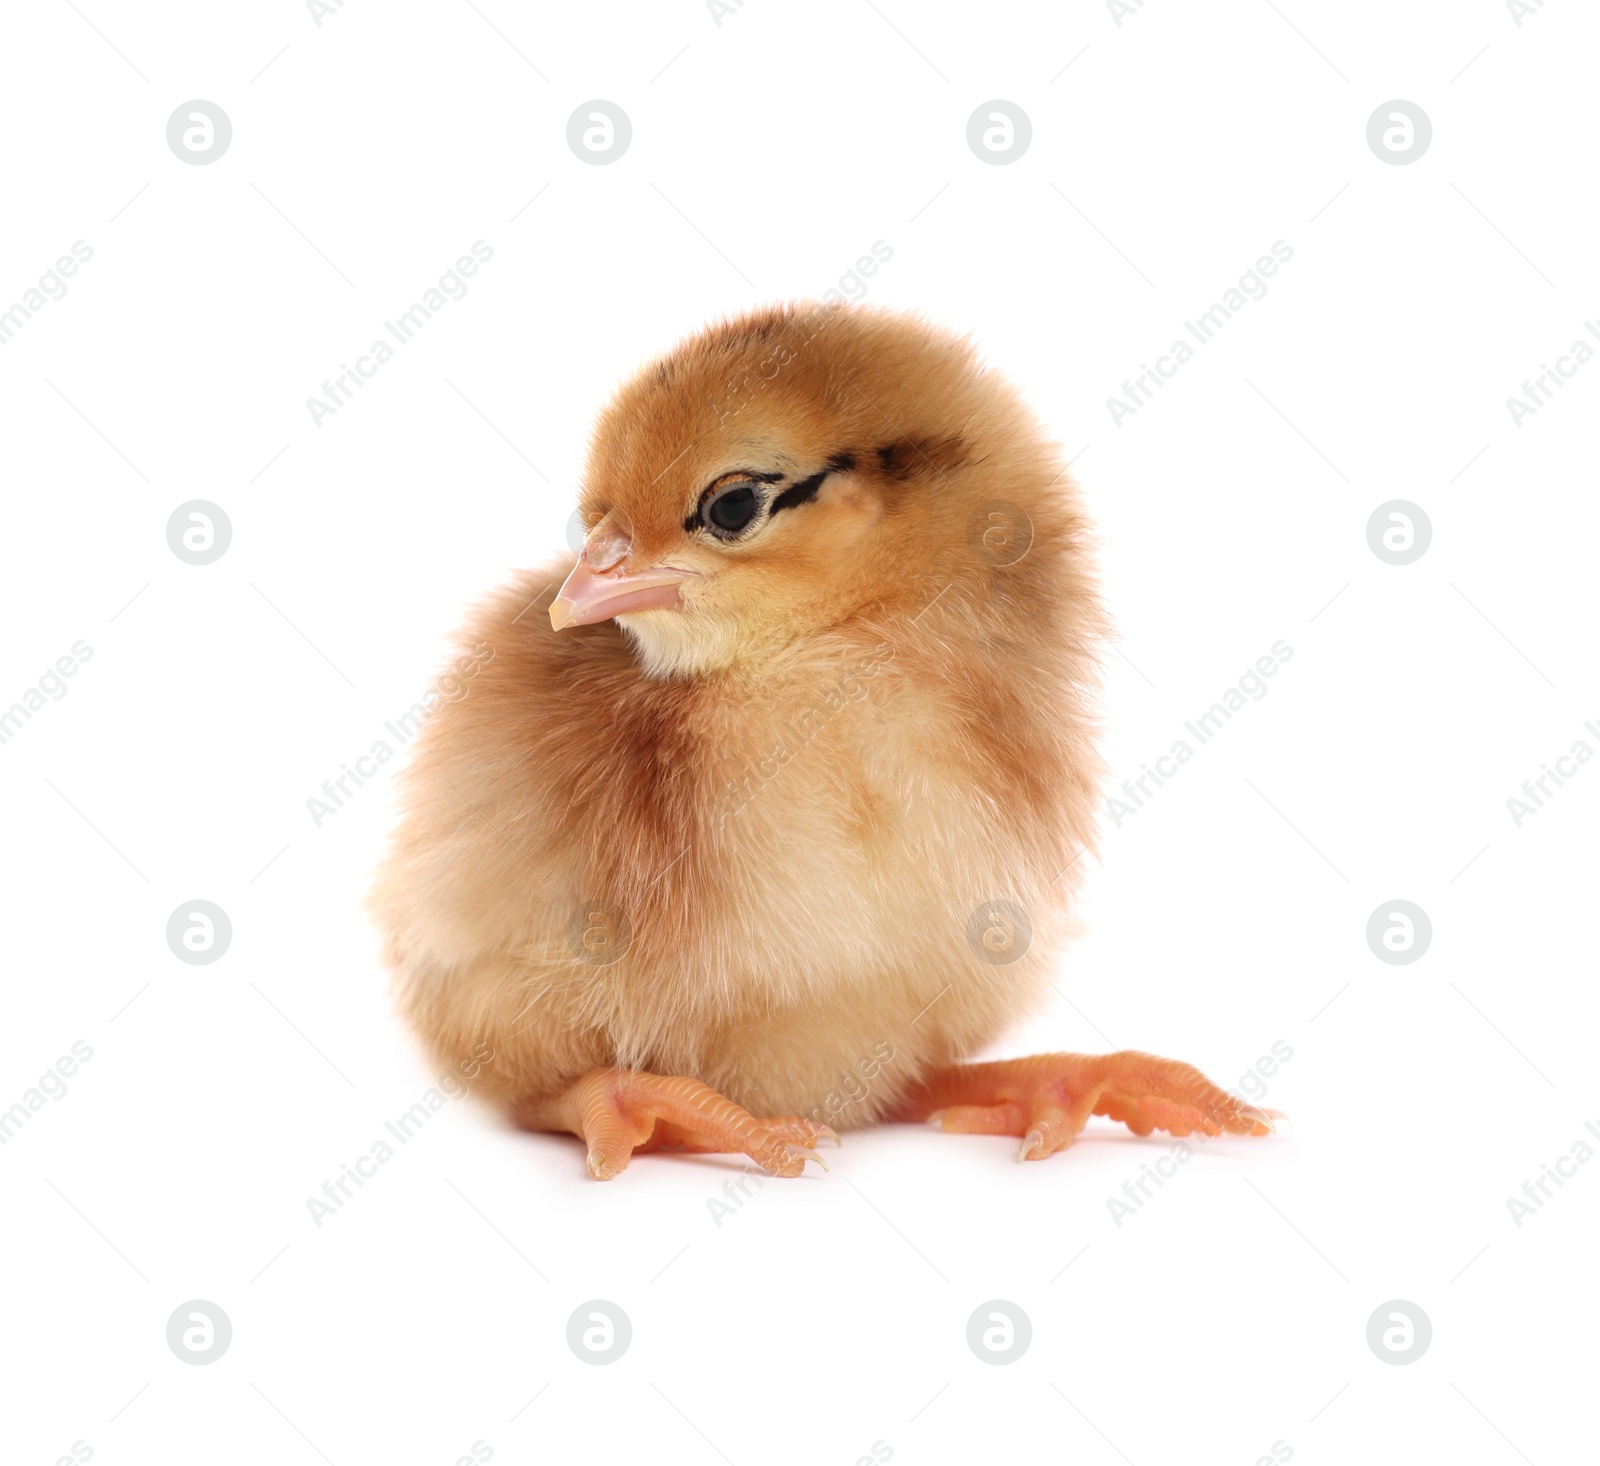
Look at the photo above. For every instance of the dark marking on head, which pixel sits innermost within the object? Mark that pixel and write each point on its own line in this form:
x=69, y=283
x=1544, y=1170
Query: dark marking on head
x=806, y=489
x=801, y=493
x=755, y=329
x=913, y=456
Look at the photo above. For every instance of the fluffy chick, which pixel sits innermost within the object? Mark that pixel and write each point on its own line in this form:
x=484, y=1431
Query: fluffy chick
x=772, y=804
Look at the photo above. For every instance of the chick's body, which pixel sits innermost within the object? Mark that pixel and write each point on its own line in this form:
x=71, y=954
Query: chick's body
x=804, y=826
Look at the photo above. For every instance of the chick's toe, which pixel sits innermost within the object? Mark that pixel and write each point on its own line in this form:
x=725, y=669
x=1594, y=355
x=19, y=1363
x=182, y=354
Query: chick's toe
x=1046, y=1100
x=622, y=1112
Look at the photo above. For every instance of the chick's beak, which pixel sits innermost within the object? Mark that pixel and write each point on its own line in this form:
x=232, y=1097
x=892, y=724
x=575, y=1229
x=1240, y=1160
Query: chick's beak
x=604, y=583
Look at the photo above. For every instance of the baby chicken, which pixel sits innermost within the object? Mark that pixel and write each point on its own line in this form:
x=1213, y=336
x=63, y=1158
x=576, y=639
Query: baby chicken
x=765, y=814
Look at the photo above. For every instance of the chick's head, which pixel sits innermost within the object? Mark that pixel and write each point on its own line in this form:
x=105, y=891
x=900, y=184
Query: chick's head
x=780, y=473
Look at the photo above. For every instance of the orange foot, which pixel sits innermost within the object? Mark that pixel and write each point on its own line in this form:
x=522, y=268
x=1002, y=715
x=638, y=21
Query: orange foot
x=1048, y=1099
x=620, y=1112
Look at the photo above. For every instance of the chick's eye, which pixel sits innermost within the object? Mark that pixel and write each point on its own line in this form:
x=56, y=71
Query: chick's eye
x=731, y=510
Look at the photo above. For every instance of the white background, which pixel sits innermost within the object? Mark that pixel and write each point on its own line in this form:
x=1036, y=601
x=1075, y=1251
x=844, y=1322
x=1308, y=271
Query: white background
x=1230, y=1312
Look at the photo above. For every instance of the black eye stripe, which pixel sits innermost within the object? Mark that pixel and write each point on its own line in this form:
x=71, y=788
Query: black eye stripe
x=801, y=493
x=808, y=488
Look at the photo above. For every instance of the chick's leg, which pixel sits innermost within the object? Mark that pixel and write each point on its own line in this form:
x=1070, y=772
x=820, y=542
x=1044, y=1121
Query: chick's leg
x=1047, y=1099
x=617, y=1112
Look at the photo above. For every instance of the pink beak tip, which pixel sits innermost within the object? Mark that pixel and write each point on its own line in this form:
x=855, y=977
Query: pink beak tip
x=587, y=597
